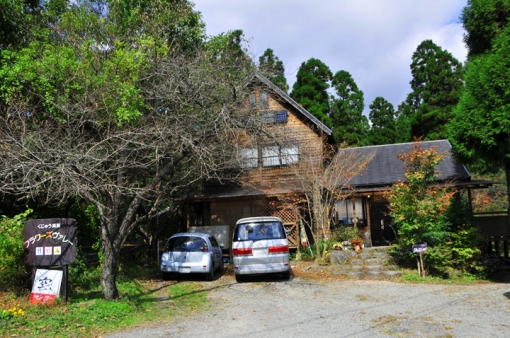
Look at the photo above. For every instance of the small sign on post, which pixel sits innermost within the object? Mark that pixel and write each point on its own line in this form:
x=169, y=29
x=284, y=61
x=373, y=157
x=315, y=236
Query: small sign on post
x=420, y=249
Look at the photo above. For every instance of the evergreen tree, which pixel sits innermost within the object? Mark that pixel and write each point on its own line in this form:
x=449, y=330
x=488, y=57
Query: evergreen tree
x=402, y=123
x=349, y=123
x=382, y=117
x=271, y=67
x=483, y=20
x=17, y=17
x=480, y=128
x=229, y=44
x=311, y=89
x=437, y=86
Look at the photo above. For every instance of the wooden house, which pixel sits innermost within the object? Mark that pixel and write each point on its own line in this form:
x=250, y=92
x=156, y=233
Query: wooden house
x=367, y=205
x=290, y=131
x=290, y=135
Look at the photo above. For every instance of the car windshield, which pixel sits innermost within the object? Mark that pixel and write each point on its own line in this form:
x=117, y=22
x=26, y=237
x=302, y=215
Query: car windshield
x=258, y=231
x=186, y=244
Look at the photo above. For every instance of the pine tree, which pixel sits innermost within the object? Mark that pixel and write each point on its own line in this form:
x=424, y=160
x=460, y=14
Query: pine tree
x=271, y=67
x=483, y=20
x=311, y=89
x=349, y=123
x=480, y=128
x=437, y=86
x=382, y=117
x=402, y=123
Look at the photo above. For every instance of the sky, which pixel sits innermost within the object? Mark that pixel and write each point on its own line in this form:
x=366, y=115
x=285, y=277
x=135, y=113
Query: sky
x=373, y=40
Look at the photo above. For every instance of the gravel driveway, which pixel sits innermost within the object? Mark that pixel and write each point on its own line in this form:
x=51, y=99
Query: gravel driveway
x=334, y=307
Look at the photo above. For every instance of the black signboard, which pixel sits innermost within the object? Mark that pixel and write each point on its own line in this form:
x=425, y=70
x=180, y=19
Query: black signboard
x=50, y=241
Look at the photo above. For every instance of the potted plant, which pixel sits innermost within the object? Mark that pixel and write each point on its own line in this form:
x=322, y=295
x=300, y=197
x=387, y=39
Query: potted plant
x=356, y=243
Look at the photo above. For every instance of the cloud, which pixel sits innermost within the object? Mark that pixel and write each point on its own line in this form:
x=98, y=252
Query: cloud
x=372, y=39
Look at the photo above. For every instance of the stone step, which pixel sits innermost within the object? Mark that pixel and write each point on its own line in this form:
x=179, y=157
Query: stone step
x=392, y=274
x=356, y=274
x=365, y=255
x=374, y=268
x=354, y=262
x=373, y=261
x=374, y=274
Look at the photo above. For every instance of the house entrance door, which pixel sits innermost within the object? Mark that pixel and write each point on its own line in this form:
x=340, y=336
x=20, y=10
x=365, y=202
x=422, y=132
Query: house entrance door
x=380, y=221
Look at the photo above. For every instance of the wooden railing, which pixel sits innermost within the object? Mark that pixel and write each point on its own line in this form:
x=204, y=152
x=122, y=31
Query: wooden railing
x=496, y=232
x=497, y=247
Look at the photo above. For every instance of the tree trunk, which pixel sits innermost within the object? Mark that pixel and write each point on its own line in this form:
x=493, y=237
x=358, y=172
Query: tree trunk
x=109, y=271
x=507, y=174
x=319, y=231
x=111, y=260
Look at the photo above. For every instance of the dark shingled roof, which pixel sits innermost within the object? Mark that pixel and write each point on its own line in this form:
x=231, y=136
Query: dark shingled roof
x=386, y=169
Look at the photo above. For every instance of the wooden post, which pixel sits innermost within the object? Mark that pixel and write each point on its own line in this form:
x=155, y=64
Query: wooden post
x=66, y=282
x=421, y=263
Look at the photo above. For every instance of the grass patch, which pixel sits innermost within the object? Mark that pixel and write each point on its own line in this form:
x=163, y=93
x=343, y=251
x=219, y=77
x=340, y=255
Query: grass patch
x=412, y=276
x=142, y=300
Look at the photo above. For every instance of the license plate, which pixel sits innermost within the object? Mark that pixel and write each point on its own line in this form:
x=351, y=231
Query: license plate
x=184, y=270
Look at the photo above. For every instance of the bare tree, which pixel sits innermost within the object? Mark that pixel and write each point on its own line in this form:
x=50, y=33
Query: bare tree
x=321, y=180
x=118, y=124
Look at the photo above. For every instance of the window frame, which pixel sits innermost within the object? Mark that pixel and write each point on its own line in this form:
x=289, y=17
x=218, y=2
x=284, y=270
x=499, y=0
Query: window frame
x=250, y=157
x=284, y=155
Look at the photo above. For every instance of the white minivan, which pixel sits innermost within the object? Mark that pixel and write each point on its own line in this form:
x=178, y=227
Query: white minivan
x=260, y=246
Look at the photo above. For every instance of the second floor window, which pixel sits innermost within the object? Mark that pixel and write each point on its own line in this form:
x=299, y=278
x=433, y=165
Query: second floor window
x=250, y=158
x=274, y=155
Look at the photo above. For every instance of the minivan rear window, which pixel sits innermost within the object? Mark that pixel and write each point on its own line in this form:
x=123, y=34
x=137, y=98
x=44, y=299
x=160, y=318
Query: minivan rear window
x=259, y=231
x=186, y=244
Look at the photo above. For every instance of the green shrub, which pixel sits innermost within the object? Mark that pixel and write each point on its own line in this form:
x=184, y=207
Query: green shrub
x=347, y=233
x=305, y=254
x=14, y=272
x=459, y=250
x=424, y=212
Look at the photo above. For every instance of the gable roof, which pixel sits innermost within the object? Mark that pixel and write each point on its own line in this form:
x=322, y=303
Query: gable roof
x=285, y=97
x=386, y=169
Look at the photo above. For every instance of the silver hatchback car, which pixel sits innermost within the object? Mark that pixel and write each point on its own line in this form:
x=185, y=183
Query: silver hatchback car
x=191, y=253
x=260, y=246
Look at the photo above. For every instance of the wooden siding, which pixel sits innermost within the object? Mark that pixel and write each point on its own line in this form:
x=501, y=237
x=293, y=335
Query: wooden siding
x=298, y=129
x=294, y=131
x=229, y=211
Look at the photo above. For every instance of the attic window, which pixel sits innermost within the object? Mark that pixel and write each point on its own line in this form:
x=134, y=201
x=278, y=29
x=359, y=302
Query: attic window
x=281, y=116
x=253, y=100
x=274, y=116
x=264, y=103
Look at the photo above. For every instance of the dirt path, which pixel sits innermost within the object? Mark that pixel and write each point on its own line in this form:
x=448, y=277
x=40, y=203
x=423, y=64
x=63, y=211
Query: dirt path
x=321, y=306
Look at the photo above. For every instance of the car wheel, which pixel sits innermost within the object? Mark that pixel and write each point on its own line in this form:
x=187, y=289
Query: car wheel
x=210, y=275
x=165, y=275
x=240, y=278
x=286, y=275
x=221, y=268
